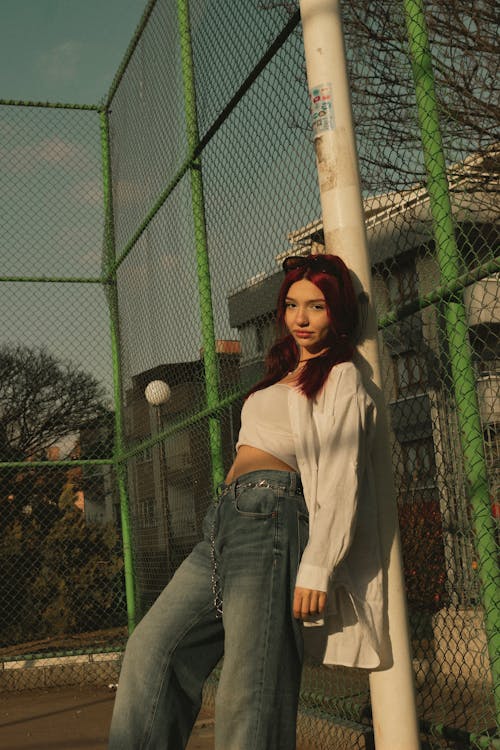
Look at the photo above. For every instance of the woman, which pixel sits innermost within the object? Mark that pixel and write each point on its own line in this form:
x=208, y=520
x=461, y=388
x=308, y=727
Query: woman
x=259, y=572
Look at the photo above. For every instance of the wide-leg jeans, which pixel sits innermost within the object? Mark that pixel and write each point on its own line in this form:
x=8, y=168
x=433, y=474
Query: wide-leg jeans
x=255, y=535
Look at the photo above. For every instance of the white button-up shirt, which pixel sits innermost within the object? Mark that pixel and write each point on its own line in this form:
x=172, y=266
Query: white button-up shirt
x=342, y=555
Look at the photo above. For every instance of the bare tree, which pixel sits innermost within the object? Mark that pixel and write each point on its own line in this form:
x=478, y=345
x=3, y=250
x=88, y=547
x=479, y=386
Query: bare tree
x=466, y=62
x=42, y=400
x=464, y=46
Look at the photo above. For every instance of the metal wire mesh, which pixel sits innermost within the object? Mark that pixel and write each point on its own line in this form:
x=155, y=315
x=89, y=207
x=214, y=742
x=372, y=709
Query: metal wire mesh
x=259, y=201
x=62, y=570
x=213, y=182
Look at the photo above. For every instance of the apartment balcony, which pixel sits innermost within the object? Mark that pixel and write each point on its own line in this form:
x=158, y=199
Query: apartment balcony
x=488, y=396
x=482, y=301
x=179, y=462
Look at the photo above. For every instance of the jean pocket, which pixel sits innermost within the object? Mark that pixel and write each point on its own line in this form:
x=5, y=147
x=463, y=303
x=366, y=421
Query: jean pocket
x=256, y=502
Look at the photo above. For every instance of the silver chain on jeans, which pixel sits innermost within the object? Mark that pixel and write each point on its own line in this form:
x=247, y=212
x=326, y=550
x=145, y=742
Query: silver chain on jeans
x=216, y=589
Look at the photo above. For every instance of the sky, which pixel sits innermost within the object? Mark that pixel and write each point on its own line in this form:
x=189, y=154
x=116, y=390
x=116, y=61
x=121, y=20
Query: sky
x=63, y=50
x=259, y=173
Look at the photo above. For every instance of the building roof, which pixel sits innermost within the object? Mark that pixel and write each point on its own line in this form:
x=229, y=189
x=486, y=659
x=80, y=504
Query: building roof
x=395, y=222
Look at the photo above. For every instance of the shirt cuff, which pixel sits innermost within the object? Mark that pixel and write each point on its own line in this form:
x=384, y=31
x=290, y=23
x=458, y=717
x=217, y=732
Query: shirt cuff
x=312, y=577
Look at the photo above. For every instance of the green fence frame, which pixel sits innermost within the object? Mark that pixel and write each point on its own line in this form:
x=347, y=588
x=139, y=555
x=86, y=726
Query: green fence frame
x=457, y=330
x=449, y=293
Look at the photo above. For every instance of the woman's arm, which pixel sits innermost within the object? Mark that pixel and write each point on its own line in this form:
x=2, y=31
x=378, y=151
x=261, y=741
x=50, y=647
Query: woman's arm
x=343, y=434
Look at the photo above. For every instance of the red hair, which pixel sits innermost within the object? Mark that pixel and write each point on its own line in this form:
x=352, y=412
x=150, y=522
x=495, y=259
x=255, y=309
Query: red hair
x=342, y=308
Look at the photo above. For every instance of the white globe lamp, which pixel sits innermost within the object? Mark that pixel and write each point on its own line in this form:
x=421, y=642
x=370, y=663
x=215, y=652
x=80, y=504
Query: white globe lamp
x=157, y=392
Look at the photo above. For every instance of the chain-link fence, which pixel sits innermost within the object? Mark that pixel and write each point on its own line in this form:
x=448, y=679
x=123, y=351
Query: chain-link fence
x=61, y=556
x=209, y=181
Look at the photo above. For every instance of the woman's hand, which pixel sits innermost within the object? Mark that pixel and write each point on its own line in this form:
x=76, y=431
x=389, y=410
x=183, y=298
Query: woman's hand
x=308, y=602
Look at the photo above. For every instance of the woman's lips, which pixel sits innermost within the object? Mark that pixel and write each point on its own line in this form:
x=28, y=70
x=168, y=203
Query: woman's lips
x=303, y=334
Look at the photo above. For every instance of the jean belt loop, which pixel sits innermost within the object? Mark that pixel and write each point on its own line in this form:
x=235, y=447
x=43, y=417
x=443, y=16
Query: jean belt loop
x=220, y=491
x=298, y=489
x=231, y=489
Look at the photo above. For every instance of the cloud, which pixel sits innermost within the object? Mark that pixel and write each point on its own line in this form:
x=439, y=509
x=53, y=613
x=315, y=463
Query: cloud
x=7, y=130
x=89, y=192
x=59, y=151
x=61, y=63
x=25, y=157
x=81, y=245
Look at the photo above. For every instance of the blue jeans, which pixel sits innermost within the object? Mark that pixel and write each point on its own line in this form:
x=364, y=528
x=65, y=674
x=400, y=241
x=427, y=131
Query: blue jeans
x=256, y=532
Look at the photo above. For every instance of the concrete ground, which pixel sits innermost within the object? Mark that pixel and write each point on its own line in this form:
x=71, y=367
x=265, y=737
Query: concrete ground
x=70, y=718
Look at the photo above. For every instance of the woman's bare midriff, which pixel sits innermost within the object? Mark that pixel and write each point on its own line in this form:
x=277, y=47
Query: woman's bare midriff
x=249, y=458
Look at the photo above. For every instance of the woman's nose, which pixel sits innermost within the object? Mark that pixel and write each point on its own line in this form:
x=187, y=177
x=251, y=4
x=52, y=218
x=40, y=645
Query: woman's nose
x=302, y=319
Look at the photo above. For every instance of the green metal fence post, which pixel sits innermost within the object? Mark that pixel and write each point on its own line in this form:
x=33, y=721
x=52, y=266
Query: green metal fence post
x=112, y=298
x=200, y=233
x=457, y=331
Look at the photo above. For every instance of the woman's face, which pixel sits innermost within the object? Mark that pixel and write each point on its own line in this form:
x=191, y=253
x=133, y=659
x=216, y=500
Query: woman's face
x=306, y=317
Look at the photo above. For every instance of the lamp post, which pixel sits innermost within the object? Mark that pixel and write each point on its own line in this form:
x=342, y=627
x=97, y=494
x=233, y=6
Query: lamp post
x=158, y=392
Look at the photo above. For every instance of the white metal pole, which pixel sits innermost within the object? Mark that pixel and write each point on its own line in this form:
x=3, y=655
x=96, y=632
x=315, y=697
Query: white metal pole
x=392, y=689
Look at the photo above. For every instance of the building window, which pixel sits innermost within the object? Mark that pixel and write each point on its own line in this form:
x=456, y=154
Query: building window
x=488, y=368
x=146, y=513
x=182, y=510
x=144, y=456
x=410, y=374
x=178, y=452
x=410, y=371
x=257, y=337
x=401, y=283
x=491, y=436
x=419, y=471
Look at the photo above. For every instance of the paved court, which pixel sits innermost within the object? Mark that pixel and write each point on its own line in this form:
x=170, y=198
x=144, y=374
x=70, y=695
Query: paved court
x=69, y=718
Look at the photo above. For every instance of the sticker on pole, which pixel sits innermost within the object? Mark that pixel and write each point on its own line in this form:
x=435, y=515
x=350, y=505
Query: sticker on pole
x=323, y=118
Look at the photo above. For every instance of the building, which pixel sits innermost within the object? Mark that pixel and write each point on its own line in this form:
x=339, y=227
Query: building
x=170, y=484
x=101, y=503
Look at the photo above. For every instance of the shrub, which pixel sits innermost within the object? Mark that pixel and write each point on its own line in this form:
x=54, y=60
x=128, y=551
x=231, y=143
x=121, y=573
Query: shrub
x=423, y=555
x=61, y=580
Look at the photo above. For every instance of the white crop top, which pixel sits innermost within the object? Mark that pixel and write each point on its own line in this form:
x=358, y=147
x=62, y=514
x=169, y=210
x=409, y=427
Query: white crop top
x=265, y=423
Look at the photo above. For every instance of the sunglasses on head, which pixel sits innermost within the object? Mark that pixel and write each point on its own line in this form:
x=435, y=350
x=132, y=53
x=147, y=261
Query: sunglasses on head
x=314, y=262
